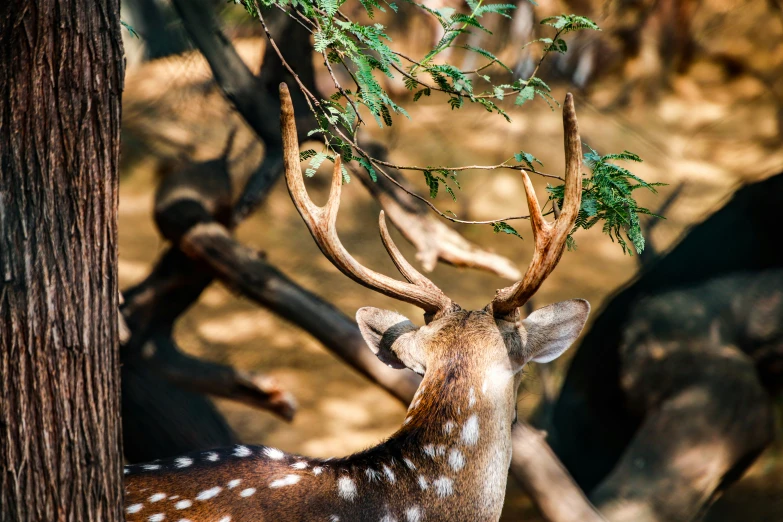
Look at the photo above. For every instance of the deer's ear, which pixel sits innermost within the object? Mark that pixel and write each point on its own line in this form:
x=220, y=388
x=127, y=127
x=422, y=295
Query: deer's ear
x=391, y=337
x=552, y=329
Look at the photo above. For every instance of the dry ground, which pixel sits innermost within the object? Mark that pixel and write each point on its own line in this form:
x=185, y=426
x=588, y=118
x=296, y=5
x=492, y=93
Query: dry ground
x=708, y=132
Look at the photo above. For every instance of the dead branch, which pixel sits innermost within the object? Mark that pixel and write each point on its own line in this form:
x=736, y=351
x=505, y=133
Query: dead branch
x=160, y=419
x=243, y=270
x=433, y=239
x=163, y=356
x=238, y=83
x=546, y=480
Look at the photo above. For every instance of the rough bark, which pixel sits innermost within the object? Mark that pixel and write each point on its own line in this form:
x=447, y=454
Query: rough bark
x=61, y=64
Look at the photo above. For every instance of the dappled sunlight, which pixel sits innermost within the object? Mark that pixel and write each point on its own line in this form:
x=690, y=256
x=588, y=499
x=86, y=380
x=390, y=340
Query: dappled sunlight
x=698, y=133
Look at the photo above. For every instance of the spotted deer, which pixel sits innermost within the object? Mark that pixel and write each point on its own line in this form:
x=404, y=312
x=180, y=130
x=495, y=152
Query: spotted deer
x=450, y=458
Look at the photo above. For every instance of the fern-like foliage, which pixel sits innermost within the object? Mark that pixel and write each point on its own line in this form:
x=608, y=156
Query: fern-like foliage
x=608, y=197
x=364, y=51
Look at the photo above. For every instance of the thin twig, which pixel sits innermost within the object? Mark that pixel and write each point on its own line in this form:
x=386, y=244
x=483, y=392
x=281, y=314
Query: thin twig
x=340, y=88
x=313, y=102
x=503, y=165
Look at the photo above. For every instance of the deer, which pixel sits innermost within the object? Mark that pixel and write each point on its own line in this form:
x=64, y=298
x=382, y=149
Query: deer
x=450, y=458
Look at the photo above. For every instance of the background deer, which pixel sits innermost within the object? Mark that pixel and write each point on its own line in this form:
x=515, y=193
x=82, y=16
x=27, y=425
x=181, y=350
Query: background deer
x=450, y=458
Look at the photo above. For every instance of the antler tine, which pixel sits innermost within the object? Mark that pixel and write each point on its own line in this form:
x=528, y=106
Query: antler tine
x=550, y=238
x=402, y=264
x=321, y=221
x=291, y=161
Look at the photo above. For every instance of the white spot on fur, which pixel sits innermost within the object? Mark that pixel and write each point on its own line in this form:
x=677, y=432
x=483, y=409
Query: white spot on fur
x=184, y=520
x=151, y=467
x=443, y=486
x=406, y=421
x=472, y=398
x=388, y=518
x=409, y=463
x=225, y=519
x=183, y=504
x=242, y=451
x=125, y=471
x=183, y=462
x=157, y=517
x=372, y=475
x=423, y=483
x=247, y=492
x=448, y=427
x=456, y=459
x=135, y=508
x=288, y=480
x=429, y=450
x=274, y=453
x=413, y=514
x=157, y=497
x=334, y=518
x=299, y=465
x=389, y=474
x=440, y=450
x=174, y=497
x=317, y=470
x=213, y=457
x=234, y=483
x=209, y=493
x=470, y=430
x=346, y=488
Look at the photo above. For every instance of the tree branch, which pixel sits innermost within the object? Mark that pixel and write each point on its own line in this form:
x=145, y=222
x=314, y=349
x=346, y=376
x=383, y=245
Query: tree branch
x=433, y=239
x=246, y=272
x=546, y=480
x=256, y=390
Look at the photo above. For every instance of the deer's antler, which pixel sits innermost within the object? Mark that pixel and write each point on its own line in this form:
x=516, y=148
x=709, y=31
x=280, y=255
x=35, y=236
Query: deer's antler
x=321, y=221
x=550, y=238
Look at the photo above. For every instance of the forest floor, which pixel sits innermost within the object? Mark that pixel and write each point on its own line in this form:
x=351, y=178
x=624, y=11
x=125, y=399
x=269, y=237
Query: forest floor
x=708, y=132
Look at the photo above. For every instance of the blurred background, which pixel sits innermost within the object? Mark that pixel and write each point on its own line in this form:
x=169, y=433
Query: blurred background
x=694, y=87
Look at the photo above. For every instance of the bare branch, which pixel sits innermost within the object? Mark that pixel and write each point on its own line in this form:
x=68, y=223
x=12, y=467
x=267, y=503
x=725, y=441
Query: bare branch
x=246, y=272
x=546, y=480
x=256, y=390
x=433, y=238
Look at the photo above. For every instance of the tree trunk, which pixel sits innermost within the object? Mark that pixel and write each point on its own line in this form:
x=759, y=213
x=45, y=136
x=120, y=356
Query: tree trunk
x=61, y=70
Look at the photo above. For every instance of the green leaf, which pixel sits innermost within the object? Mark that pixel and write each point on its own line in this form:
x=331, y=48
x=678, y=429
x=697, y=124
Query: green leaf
x=130, y=29
x=315, y=163
x=432, y=182
x=525, y=95
x=607, y=196
x=502, y=226
x=368, y=167
x=528, y=159
x=306, y=154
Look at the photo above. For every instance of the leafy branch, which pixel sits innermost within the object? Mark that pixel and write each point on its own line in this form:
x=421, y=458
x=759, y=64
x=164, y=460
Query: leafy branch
x=607, y=195
x=363, y=52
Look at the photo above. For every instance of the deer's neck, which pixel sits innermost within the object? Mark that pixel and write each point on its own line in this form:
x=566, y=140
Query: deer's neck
x=456, y=439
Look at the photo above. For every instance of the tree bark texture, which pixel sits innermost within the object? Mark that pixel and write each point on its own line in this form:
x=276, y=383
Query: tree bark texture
x=61, y=64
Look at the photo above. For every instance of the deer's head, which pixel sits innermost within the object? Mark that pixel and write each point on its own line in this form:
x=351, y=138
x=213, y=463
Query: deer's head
x=492, y=344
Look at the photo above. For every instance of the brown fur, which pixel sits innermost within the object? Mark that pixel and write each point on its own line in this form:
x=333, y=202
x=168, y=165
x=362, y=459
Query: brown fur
x=448, y=461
